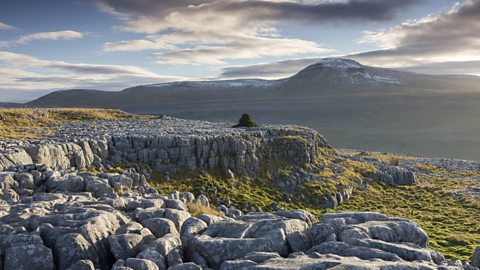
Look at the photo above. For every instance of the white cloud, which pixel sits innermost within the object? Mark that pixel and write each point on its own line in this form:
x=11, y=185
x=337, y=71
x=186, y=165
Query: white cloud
x=21, y=72
x=58, y=35
x=213, y=32
x=4, y=26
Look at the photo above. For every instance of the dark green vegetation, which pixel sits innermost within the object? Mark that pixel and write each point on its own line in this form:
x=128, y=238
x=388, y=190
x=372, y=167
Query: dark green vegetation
x=246, y=121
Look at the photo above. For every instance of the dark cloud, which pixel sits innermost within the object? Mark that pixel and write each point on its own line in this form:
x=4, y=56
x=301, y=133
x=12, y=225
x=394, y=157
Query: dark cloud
x=375, y=10
x=268, y=70
x=447, y=37
x=269, y=10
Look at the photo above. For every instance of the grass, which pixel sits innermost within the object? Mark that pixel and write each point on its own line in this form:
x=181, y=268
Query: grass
x=21, y=123
x=451, y=222
x=198, y=209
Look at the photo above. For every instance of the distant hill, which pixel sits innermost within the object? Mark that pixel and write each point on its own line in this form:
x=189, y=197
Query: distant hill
x=10, y=105
x=354, y=105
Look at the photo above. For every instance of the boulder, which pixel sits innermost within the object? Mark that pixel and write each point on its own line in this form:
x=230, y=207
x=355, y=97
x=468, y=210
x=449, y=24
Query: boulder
x=476, y=257
x=28, y=257
x=153, y=256
x=160, y=226
x=125, y=246
x=72, y=247
x=82, y=265
x=140, y=264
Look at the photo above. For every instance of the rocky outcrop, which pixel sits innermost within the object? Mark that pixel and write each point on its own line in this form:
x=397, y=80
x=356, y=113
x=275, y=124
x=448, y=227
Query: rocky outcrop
x=166, y=144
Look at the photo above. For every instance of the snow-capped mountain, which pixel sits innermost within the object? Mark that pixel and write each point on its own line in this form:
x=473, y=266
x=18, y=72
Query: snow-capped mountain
x=345, y=72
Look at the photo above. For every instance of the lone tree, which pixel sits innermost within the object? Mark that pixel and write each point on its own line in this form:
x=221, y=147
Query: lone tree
x=246, y=121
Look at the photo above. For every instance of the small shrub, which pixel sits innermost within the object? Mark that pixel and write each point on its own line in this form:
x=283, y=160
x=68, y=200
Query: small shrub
x=246, y=121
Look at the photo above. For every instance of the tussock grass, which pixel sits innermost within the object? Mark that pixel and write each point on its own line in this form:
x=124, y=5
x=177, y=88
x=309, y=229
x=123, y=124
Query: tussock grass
x=198, y=209
x=20, y=123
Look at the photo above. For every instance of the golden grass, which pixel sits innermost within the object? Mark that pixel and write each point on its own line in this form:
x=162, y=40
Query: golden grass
x=198, y=209
x=20, y=123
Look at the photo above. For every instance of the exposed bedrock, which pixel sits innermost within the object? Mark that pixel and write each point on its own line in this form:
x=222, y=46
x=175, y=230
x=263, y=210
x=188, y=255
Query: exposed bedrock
x=168, y=143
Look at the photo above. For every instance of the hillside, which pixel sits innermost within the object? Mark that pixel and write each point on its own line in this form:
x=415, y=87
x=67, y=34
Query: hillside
x=356, y=106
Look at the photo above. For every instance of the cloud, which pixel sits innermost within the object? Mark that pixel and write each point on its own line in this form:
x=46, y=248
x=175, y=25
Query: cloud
x=246, y=48
x=21, y=72
x=451, y=36
x=4, y=26
x=287, y=68
x=250, y=10
x=274, y=70
x=214, y=31
x=59, y=35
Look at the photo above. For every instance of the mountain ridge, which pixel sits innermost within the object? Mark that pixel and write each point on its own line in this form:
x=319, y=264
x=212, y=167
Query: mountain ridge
x=358, y=106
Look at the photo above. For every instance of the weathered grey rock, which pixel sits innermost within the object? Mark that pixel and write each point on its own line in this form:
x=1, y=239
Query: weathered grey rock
x=320, y=233
x=165, y=245
x=217, y=250
x=209, y=219
x=125, y=246
x=145, y=203
x=259, y=257
x=25, y=181
x=347, y=250
x=82, y=265
x=72, y=247
x=153, y=256
x=397, y=231
x=177, y=216
x=238, y=264
x=191, y=227
x=68, y=183
x=175, y=204
x=160, y=226
x=8, y=195
x=186, y=266
x=298, y=214
x=99, y=187
x=187, y=197
x=395, y=175
x=476, y=257
x=202, y=200
x=140, y=264
x=28, y=257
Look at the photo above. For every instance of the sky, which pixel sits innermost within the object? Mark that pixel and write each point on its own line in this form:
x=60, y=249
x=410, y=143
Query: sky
x=54, y=45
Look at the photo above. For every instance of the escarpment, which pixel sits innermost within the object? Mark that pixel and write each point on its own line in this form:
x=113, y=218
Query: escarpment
x=167, y=143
